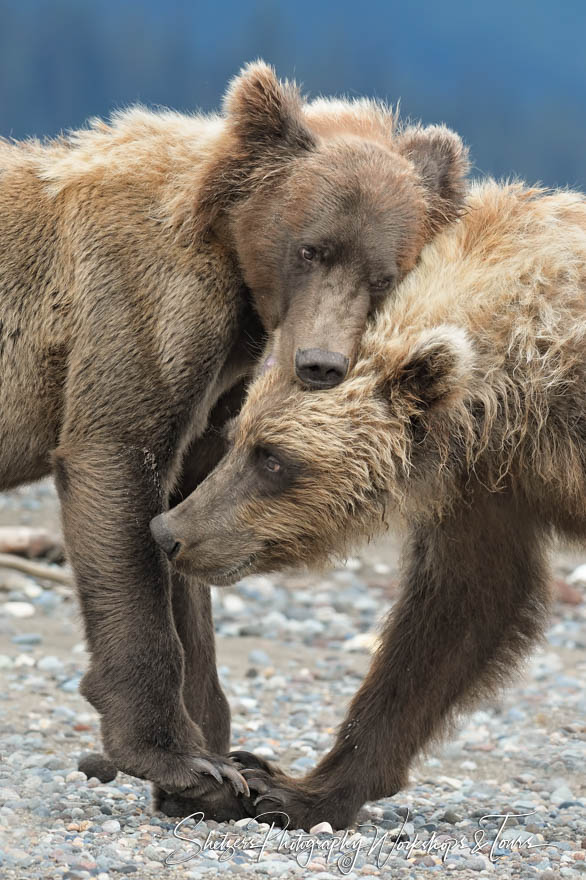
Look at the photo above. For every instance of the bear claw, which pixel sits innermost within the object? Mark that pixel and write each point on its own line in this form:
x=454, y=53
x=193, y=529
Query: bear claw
x=220, y=772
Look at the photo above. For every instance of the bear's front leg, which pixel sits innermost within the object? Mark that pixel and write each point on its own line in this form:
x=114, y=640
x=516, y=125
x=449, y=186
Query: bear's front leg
x=294, y=803
x=203, y=696
x=474, y=599
x=333, y=793
x=205, y=702
x=109, y=493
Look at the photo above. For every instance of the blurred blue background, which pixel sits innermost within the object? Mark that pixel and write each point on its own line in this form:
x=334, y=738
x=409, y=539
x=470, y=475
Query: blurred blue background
x=510, y=76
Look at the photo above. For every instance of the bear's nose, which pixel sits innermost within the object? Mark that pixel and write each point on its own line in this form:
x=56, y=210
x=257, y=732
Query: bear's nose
x=317, y=368
x=164, y=537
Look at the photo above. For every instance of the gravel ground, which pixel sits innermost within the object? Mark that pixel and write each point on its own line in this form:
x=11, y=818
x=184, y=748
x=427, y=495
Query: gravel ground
x=292, y=651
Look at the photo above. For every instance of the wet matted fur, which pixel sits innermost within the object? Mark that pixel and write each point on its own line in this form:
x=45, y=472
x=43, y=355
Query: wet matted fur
x=142, y=260
x=464, y=421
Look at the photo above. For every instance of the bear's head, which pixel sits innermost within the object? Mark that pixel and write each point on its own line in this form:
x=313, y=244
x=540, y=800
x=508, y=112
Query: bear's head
x=308, y=474
x=327, y=206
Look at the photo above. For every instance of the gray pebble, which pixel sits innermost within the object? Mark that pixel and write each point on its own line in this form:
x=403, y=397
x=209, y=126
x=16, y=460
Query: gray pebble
x=27, y=639
x=475, y=864
x=50, y=664
x=153, y=854
x=259, y=658
x=54, y=763
x=302, y=764
x=70, y=685
x=561, y=794
x=451, y=817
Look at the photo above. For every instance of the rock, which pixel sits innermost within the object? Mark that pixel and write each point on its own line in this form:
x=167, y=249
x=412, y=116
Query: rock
x=50, y=664
x=111, y=826
x=48, y=601
x=18, y=609
x=24, y=660
x=153, y=854
x=274, y=622
x=451, y=817
x=70, y=686
x=361, y=642
x=275, y=868
x=301, y=765
x=578, y=576
x=451, y=782
x=475, y=864
x=353, y=563
x=259, y=658
x=75, y=776
x=32, y=590
x=561, y=794
x=312, y=627
x=233, y=604
x=245, y=705
x=96, y=764
x=27, y=639
x=53, y=763
x=6, y=662
x=276, y=682
x=20, y=857
x=265, y=752
x=322, y=827
x=16, y=581
x=391, y=815
x=525, y=806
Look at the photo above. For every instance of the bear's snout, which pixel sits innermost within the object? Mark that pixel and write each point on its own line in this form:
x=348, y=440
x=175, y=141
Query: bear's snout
x=317, y=368
x=164, y=536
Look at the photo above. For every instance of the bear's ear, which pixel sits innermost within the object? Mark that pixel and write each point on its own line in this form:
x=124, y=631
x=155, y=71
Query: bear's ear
x=434, y=369
x=265, y=128
x=266, y=113
x=442, y=161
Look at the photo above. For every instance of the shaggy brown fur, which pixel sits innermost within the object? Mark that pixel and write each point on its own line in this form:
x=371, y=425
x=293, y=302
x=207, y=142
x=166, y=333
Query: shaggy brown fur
x=135, y=260
x=464, y=419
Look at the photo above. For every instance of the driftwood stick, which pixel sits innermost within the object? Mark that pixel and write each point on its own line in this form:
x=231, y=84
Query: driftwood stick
x=36, y=569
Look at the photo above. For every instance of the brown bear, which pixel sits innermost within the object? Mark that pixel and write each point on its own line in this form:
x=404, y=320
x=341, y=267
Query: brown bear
x=141, y=263
x=463, y=420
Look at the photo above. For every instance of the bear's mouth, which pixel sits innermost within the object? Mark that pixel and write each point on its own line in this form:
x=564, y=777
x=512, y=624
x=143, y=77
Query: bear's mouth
x=227, y=576
x=220, y=577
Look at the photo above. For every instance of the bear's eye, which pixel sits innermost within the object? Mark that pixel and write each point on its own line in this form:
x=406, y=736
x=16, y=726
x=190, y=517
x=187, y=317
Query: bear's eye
x=276, y=469
x=268, y=460
x=379, y=285
x=272, y=464
x=307, y=253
